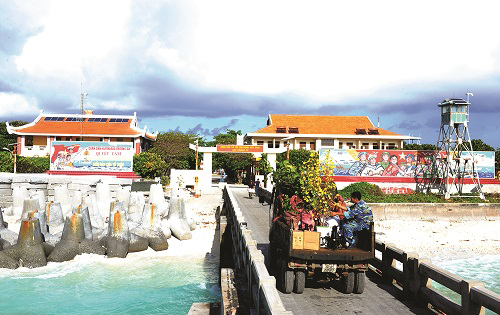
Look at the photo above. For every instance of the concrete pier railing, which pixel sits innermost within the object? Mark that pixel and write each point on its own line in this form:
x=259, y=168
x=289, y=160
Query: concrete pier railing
x=415, y=280
x=262, y=286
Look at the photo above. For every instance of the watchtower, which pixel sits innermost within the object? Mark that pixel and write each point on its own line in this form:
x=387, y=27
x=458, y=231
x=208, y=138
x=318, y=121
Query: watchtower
x=455, y=161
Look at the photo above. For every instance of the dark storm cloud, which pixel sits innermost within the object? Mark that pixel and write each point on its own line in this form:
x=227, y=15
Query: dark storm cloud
x=199, y=130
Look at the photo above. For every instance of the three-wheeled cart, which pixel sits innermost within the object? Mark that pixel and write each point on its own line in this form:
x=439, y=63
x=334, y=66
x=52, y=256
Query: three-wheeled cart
x=292, y=266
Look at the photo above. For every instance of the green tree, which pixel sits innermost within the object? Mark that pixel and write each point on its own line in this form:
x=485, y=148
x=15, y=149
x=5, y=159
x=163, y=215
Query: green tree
x=5, y=137
x=150, y=165
x=264, y=168
x=233, y=164
x=479, y=145
x=420, y=147
x=173, y=149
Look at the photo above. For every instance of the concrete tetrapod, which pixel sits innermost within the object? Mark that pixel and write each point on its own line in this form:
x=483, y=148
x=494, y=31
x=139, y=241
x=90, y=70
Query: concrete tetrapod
x=7, y=237
x=157, y=196
x=136, y=207
x=95, y=216
x=118, y=239
x=151, y=228
x=87, y=225
x=61, y=195
x=123, y=194
x=49, y=239
x=18, y=196
x=30, y=205
x=29, y=250
x=177, y=219
x=73, y=241
x=103, y=197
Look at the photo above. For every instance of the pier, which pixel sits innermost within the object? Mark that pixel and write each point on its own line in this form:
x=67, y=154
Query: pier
x=389, y=290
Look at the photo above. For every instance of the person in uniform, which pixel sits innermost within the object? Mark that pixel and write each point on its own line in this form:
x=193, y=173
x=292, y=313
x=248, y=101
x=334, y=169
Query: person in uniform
x=356, y=218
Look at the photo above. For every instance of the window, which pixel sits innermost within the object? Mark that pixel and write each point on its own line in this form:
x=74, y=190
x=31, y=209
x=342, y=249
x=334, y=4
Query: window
x=327, y=142
x=341, y=145
x=270, y=144
x=303, y=145
x=365, y=146
x=277, y=144
x=360, y=131
x=280, y=129
x=28, y=141
x=97, y=119
x=312, y=145
x=375, y=146
x=119, y=139
x=58, y=138
x=260, y=142
x=68, y=138
x=351, y=145
x=293, y=129
x=373, y=131
x=78, y=139
x=101, y=139
x=392, y=146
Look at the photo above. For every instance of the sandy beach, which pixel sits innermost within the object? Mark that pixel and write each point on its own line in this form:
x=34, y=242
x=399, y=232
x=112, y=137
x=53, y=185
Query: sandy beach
x=442, y=240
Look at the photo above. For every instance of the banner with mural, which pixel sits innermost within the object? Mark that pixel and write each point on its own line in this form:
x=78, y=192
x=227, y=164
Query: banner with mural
x=91, y=156
x=402, y=163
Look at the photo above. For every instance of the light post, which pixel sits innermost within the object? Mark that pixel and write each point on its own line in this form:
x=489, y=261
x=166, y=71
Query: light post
x=13, y=153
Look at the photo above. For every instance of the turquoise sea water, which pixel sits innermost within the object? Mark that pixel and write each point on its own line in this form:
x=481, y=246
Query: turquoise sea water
x=92, y=284
x=482, y=268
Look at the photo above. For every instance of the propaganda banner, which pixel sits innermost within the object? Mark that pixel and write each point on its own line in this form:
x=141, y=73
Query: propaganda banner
x=91, y=156
x=405, y=163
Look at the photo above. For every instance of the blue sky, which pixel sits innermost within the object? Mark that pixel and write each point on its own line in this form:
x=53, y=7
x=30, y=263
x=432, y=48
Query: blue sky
x=204, y=66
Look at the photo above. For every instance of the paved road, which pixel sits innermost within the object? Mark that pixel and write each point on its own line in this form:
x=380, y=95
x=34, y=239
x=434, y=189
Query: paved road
x=378, y=298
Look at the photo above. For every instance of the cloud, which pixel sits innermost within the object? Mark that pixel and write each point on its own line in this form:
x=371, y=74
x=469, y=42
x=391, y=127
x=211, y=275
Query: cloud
x=16, y=105
x=198, y=129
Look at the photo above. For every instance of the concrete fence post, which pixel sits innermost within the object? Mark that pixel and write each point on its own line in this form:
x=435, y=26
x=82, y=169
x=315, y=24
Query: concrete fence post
x=408, y=275
x=388, y=263
x=421, y=281
x=468, y=306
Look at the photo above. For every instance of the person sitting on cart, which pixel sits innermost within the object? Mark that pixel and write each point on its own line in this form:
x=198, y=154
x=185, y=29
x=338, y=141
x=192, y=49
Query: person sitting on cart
x=338, y=206
x=357, y=217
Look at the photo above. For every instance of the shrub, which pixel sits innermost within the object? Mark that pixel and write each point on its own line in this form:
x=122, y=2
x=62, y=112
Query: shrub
x=369, y=192
x=6, y=163
x=27, y=164
x=149, y=165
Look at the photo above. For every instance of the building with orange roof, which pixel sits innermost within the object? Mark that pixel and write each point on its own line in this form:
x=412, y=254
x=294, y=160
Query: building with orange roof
x=325, y=132
x=35, y=138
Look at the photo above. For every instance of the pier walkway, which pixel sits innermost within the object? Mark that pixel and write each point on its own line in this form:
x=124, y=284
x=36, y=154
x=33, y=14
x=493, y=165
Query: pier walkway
x=378, y=298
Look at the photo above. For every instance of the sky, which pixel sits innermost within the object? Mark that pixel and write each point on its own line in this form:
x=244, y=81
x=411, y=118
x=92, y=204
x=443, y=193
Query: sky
x=207, y=66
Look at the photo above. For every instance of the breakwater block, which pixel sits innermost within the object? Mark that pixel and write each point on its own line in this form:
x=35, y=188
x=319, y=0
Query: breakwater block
x=151, y=228
x=29, y=250
x=8, y=262
x=118, y=236
x=177, y=217
x=7, y=237
x=73, y=241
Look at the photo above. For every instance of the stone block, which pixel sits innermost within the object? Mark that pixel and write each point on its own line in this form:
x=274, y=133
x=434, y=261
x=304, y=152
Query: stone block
x=5, y=192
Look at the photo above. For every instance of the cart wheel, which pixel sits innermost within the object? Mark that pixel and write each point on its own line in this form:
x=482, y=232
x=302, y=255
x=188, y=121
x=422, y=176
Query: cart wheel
x=287, y=278
x=359, y=282
x=348, y=283
x=300, y=282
